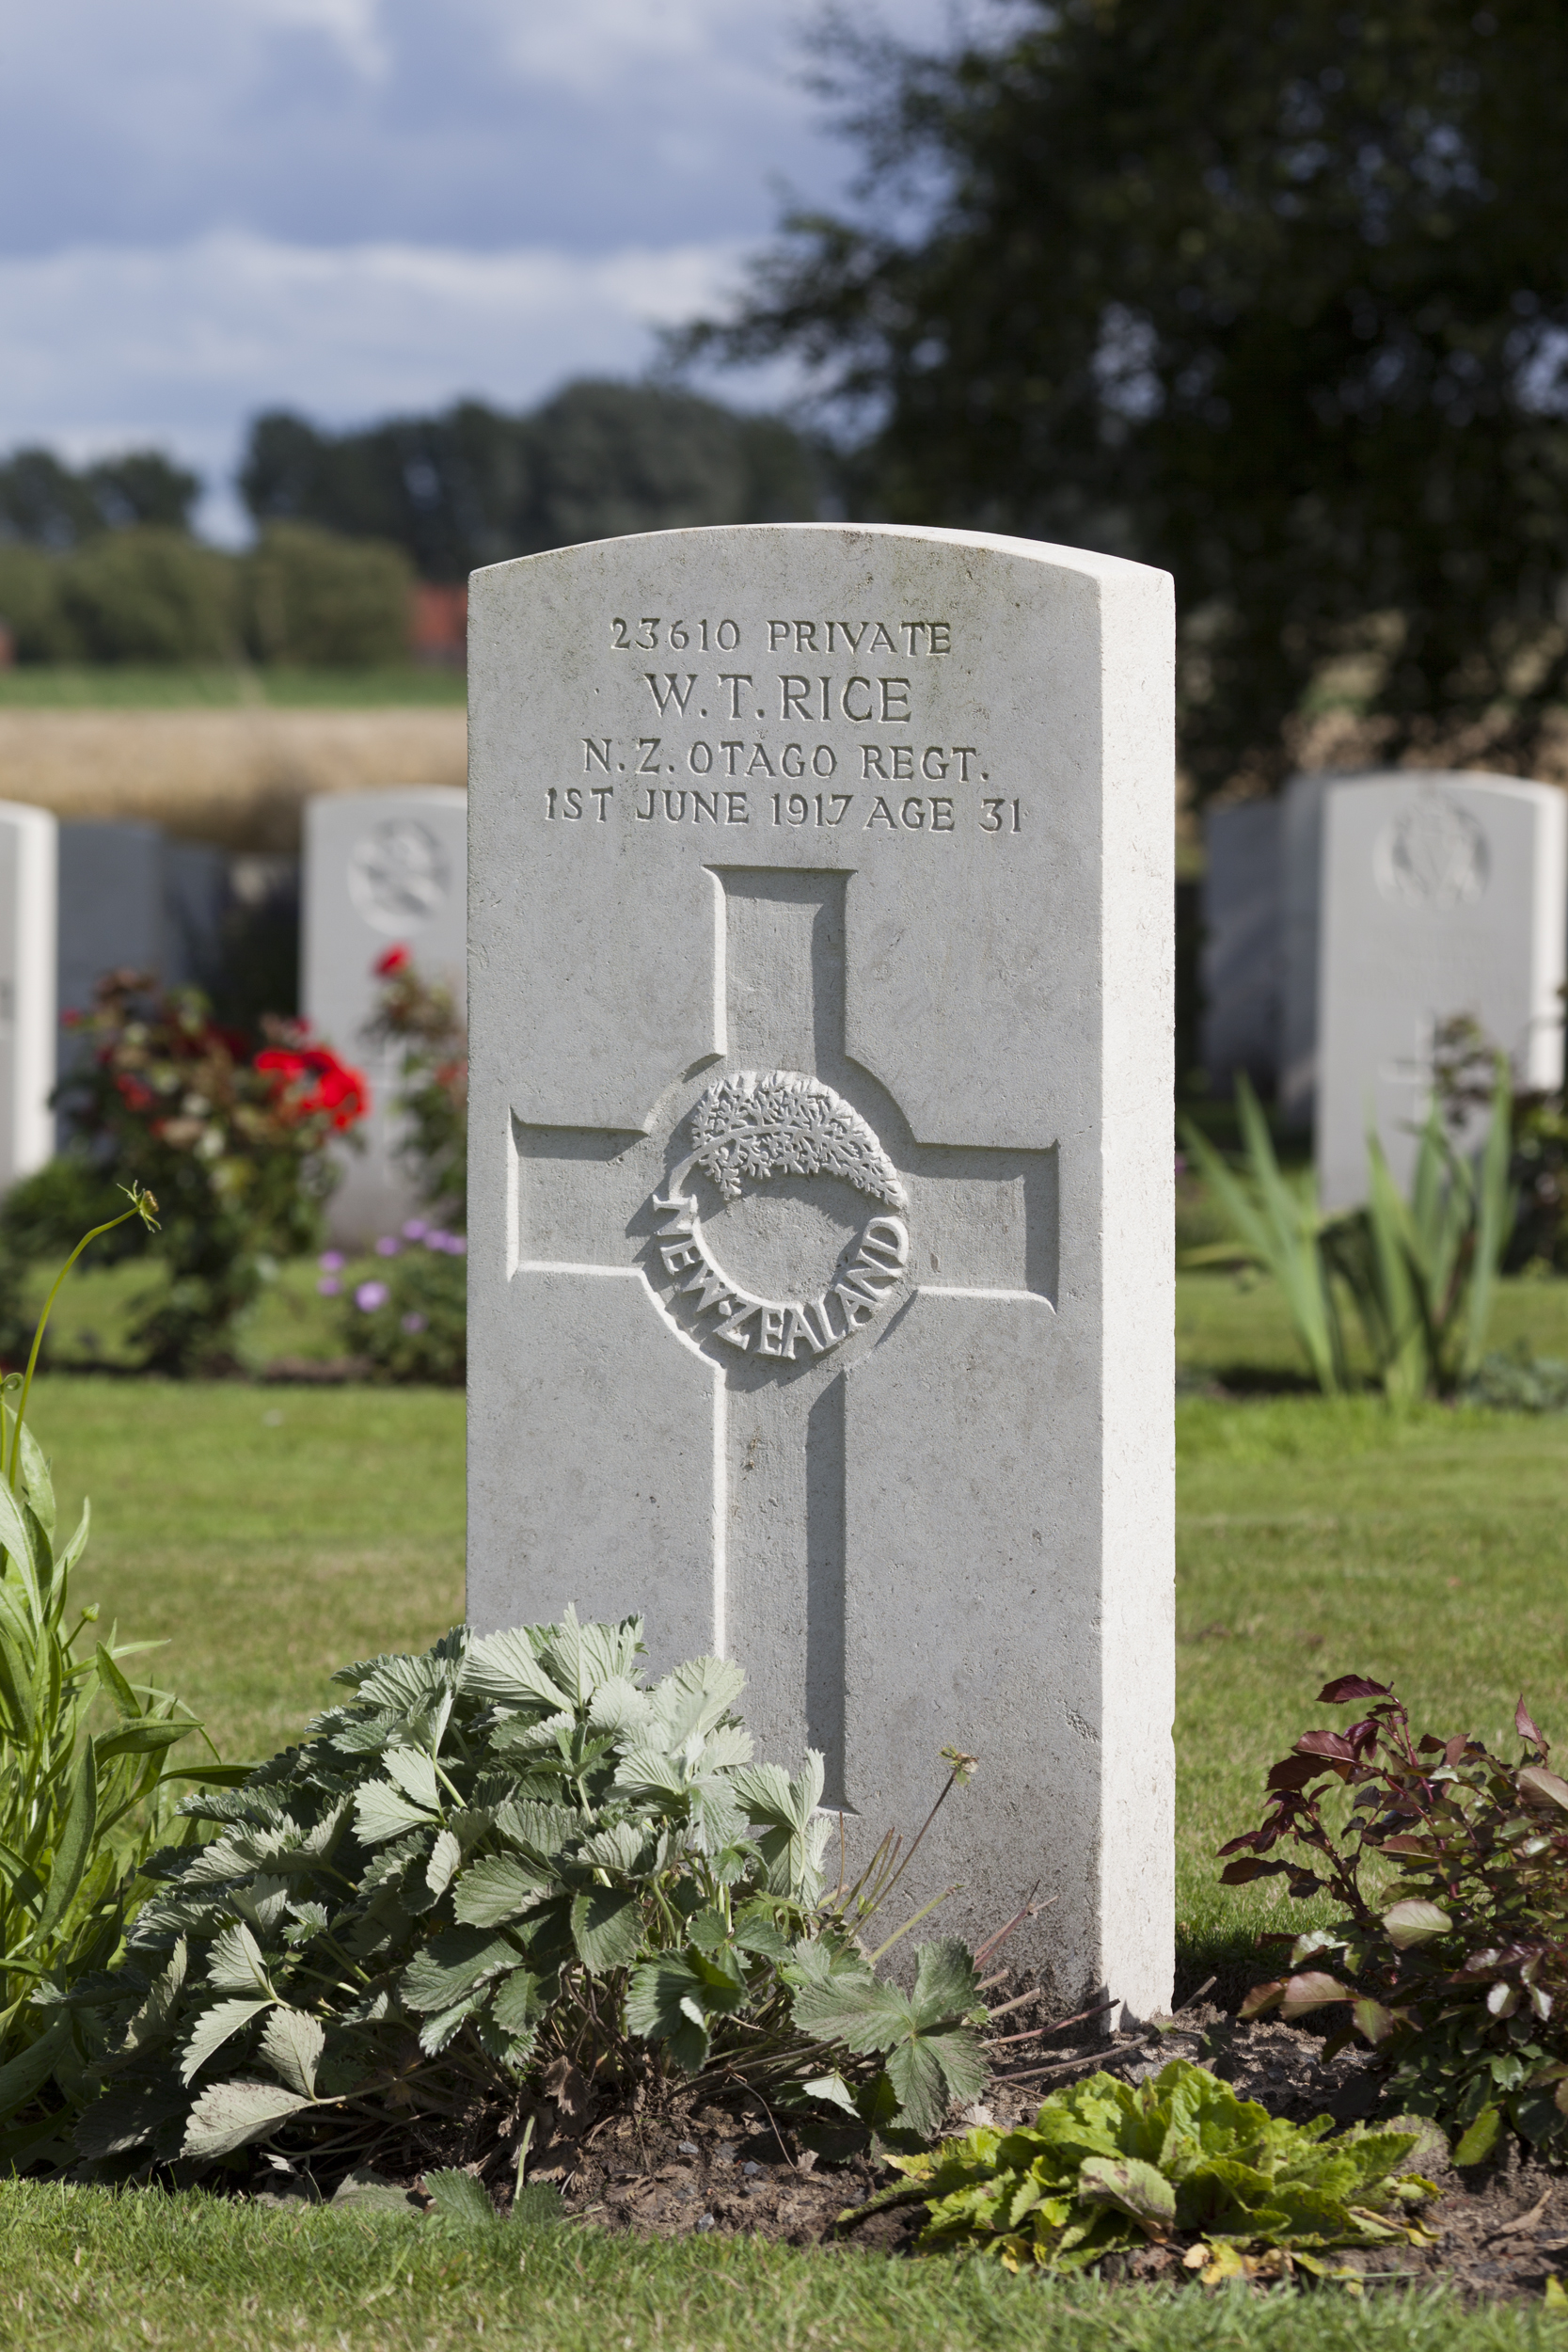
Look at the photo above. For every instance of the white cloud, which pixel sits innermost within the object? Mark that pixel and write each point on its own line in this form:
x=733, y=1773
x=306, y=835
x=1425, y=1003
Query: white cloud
x=354, y=25
x=178, y=346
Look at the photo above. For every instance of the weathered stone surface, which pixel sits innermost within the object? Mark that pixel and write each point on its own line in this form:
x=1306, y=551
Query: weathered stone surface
x=1441, y=895
x=1242, y=974
x=28, y=905
x=820, y=1173
x=382, y=870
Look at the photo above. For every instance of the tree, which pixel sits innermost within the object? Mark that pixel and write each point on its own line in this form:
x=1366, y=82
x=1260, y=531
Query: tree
x=320, y=600
x=475, y=486
x=1273, y=293
x=48, y=504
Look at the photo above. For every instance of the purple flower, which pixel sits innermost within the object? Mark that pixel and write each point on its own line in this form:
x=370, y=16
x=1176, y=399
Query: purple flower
x=457, y=1246
x=331, y=1262
x=369, y=1296
x=415, y=1230
x=413, y=1322
x=434, y=1238
x=329, y=1286
x=388, y=1245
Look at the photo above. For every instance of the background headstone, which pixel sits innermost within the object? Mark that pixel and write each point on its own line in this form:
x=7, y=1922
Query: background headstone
x=112, y=912
x=821, y=1212
x=1441, y=895
x=1242, y=967
x=198, y=896
x=382, y=869
x=132, y=899
x=28, y=856
x=1301, y=902
x=111, y=918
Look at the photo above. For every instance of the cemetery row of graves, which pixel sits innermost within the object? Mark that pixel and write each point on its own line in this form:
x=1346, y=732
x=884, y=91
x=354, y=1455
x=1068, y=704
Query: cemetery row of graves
x=146, y=1045
x=779, y=1834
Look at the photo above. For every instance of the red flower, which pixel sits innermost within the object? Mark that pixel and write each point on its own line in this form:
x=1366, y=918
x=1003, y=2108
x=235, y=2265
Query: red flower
x=311, y=1082
x=396, y=960
x=135, y=1096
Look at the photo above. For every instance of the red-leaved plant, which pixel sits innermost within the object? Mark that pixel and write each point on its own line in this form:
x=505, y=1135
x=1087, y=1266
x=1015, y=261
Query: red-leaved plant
x=1451, y=1876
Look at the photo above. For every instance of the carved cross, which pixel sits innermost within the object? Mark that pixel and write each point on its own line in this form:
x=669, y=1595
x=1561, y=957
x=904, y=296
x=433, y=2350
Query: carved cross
x=780, y=1224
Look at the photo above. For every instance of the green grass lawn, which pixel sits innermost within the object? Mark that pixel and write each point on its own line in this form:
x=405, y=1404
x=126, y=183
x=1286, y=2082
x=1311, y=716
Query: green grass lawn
x=128, y=685
x=269, y=1533
x=91, y=1320
x=82, y=2268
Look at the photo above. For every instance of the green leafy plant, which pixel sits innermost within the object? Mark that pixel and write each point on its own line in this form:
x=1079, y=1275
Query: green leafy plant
x=1449, y=1877
x=405, y=1311
x=505, y=1858
x=1421, y=1273
x=1108, y=2166
x=1278, y=1222
x=1517, y=1380
x=88, y=1783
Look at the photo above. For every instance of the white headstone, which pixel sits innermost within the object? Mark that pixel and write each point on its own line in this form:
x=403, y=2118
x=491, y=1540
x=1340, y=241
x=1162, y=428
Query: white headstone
x=821, y=900
x=1441, y=895
x=1301, y=900
x=381, y=870
x=28, y=855
x=1242, y=966
x=111, y=919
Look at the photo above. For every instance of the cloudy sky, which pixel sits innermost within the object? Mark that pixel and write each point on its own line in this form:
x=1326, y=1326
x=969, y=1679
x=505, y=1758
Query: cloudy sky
x=353, y=207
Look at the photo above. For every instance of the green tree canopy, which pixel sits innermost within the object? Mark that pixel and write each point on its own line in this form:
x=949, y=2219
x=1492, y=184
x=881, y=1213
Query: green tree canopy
x=46, y=503
x=475, y=485
x=1274, y=292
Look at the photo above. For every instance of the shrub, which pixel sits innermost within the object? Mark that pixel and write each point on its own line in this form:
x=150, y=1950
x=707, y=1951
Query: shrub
x=1109, y=2167
x=87, y=1782
x=506, y=1856
x=233, y=1146
x=324, y=602
x=1421, y=1273
x=30, y=604
x=43, y=1214
x=148, y=595
x=420, y=1017
x=406, y=1313
x=1449, y=1877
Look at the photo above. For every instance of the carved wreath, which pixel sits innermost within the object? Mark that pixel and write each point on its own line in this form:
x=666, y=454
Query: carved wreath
x=757, y=1124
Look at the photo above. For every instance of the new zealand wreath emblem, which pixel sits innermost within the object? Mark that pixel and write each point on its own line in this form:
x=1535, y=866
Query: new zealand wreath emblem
x=747, y=1129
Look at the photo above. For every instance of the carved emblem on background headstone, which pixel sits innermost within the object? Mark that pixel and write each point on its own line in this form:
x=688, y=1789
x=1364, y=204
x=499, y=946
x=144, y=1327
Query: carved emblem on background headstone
x=1433, y=854
x=398, y=874
x=747, y=1129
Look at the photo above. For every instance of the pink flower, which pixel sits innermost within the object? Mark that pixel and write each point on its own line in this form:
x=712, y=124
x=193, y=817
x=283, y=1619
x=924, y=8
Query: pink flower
x=329, y=1286
x=331, y=1262
x=369, y=1296
x=415, y=1230
x=388, y=1245
x=413, y=1322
